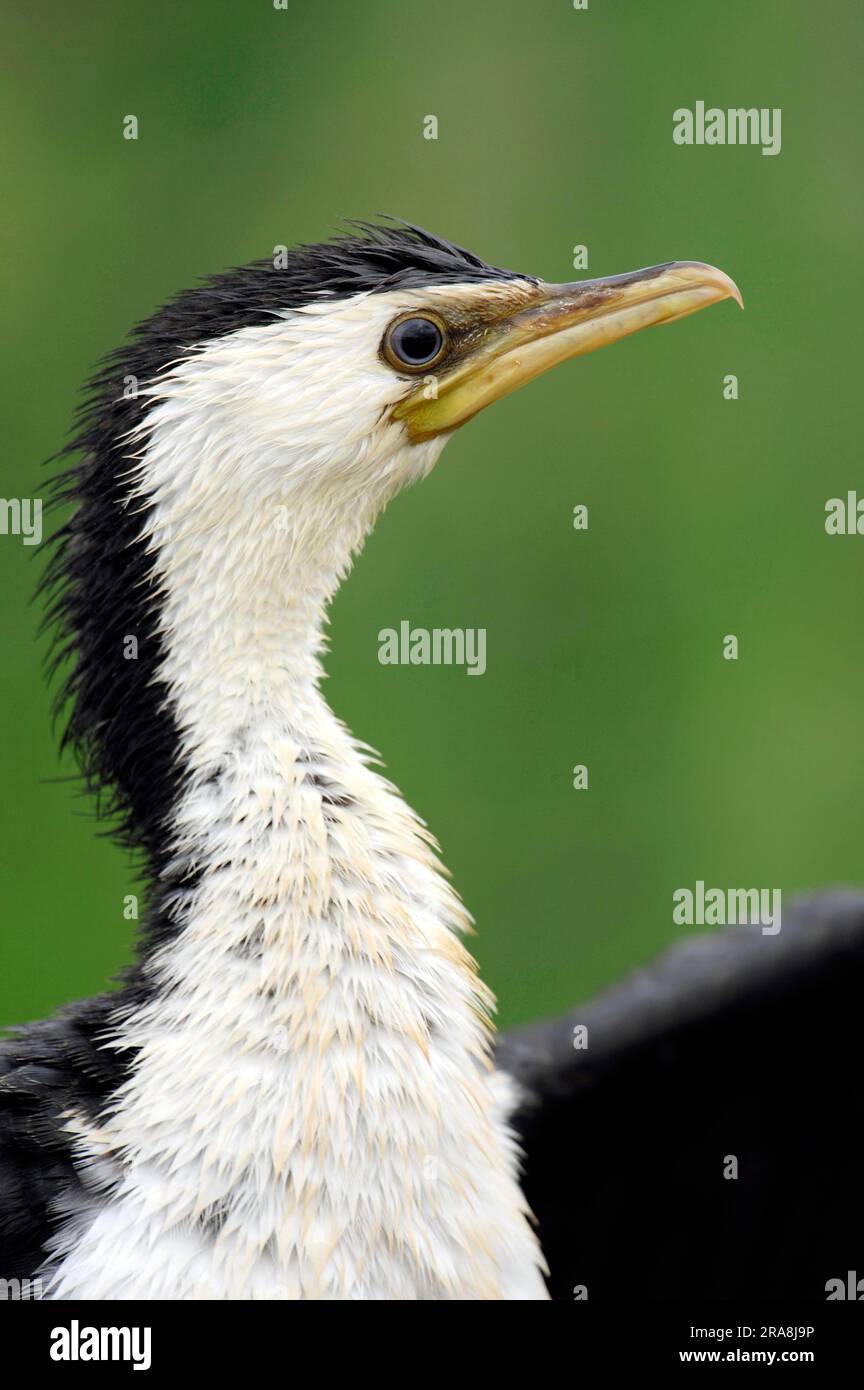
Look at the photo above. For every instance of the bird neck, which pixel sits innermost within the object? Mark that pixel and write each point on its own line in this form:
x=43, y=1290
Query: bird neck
x=300, y=856
x=310, y=1079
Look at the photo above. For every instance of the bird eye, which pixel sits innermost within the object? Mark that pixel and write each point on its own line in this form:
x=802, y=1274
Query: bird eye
x=414, y=342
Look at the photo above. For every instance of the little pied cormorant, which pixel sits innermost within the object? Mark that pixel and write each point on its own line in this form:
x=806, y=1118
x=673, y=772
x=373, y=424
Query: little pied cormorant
x=290, y=1095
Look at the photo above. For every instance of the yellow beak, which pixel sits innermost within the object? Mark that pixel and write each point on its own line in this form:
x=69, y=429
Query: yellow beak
x=559, y=322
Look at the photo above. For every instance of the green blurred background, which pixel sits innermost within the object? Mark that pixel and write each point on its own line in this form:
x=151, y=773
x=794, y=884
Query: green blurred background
x=260, y=127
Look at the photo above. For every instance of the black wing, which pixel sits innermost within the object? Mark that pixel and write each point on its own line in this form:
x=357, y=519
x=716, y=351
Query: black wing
x=47, y=1070
x=733, y=1045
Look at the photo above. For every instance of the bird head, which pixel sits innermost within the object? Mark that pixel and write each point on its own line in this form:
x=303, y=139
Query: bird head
x=235, y=452
x=336, y=377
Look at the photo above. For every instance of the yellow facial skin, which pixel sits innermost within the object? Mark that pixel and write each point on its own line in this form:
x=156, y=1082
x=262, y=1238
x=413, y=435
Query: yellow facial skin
x=548, y=324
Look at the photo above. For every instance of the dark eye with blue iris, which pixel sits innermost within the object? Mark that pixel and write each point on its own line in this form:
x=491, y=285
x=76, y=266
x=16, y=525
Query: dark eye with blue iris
x=414, y=342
